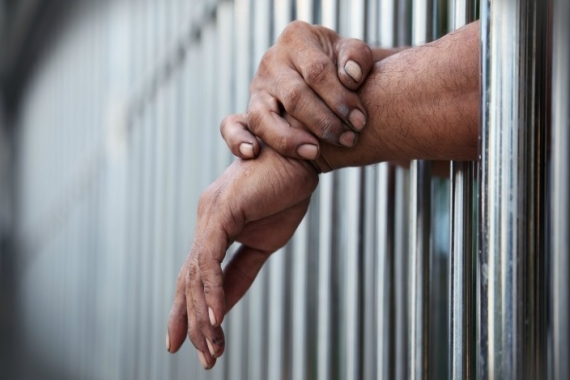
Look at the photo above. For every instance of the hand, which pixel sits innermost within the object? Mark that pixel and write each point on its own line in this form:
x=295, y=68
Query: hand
x=258, y=203
x=311, y=73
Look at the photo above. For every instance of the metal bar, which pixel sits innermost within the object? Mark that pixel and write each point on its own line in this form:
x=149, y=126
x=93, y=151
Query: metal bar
x=515, y=83
x=385, y=342
x=299, y=302
x=420, y=175
x=370, y=254
x=419, y=276
x=237, y=341
x=261, y=34
x=560, y=189
x=300, y=276
x=401, y=274
x=276, y=367
x=324, y=285
x=387, y=356
x=351, y=24
x=461, y=276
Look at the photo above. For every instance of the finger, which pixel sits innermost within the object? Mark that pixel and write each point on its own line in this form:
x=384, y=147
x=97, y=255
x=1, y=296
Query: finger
x=241, y=271
x=355, y=61
x=206, y=338
x=178, y=318
x=206, y=359
x=196, y=336
x=320, y=73
x=195, y=317
x=310, y=110
x=265, y=121
x=215, y=344
x=213, y=290
x=239, y=139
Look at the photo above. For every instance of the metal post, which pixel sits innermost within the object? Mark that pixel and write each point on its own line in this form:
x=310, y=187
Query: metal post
x=560, y=189
x=420, y=215
x=461, y=289
x=515, y=64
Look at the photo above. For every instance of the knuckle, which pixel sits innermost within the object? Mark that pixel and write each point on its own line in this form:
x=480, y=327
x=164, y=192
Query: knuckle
x=281, y=144
x=265, y=67
x=193, y=270
x=292, y=97
x=293, y=29
x=208, y=198
x=326, y=129
x=211, y=288
x=316, y=72
x=254, y=117
x=201, y=319
x=195, y=336
x=344, y=102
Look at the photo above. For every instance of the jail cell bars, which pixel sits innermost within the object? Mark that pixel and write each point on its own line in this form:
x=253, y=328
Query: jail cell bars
x=118, y=136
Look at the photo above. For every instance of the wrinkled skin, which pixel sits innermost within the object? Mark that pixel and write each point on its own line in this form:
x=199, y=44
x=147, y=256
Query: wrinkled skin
x=312, y=74
x=258, y=203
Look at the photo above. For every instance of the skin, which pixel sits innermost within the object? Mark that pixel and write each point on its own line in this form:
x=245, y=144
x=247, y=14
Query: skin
x=311, y=74
x=422, y=103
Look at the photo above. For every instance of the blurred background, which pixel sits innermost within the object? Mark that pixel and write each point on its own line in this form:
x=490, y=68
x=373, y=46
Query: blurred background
x=108, y=134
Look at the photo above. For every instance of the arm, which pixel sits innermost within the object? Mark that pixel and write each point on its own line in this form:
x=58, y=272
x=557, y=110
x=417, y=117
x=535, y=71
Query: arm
x=258, y=203
x=423, y=103
x=311, y=73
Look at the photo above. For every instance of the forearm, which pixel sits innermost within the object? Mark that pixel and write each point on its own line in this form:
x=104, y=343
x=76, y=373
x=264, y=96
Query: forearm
x=422, y=103
x=379, y=54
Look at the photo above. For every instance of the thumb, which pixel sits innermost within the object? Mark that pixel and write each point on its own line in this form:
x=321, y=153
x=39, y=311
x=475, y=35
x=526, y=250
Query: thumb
x=354, y=61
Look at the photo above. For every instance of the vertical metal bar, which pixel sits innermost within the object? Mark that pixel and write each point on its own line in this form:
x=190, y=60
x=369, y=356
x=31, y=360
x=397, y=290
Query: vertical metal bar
x=324, y=286
x=326, y=368
x=225, y=23
x=351, y=24
x=402, y=284
x=299, y=342
x=370, y=256
x=560, y=190
x=461, y=276
x=260, y=35
x=160, y=131
x=420, y=215
x=329, y=17
x=299, y=349
x=385, y=342
x=461, y=273
x=420, y=285
x=276, y=322
x=515, y=95
x=276, y=367
x=237, y=341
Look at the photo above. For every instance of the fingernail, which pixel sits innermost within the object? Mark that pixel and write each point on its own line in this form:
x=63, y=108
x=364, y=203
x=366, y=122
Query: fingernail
x=167, y=342
x=357, y=119
x=212, y=317
x=308, y=151
x=353, y=70
x=210, y=348
x=348, y=139
x=246, y=149
x=203, y=360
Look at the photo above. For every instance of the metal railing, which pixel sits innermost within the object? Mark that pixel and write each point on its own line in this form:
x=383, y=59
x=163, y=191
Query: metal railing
x=393, y=274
